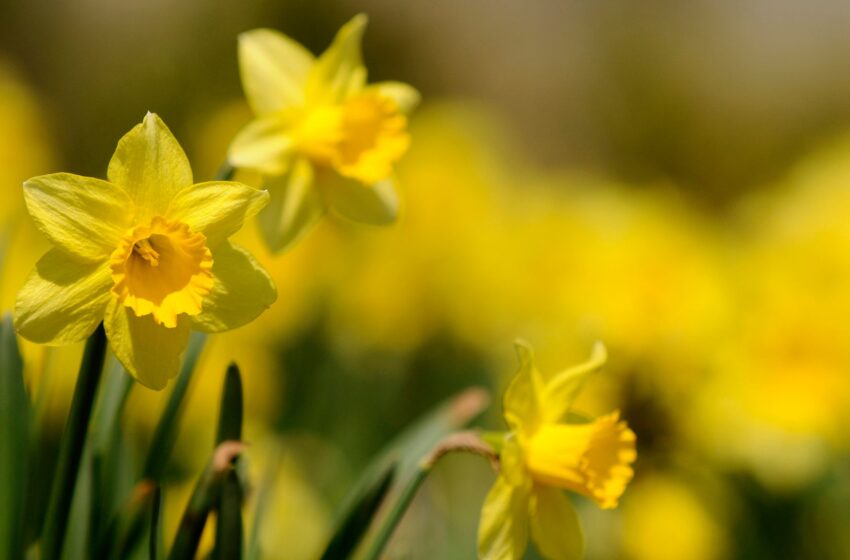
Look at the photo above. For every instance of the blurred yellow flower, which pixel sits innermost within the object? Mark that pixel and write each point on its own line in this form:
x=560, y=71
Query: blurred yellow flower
x=146, y=252
x=665, y=519
x=542, y=454
x=321, y=136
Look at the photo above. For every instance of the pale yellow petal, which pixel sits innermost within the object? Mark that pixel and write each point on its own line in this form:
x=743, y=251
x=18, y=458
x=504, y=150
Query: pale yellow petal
x=405, y=96
x=86, y=217
x=217, y=209
x=149, y=352
x=523, y=396
x=150, y=164
x=563, y=388
x=555, y=527
x=363, y=204
x=242, y=290
x=63, y=299
x=339, y=71
x=503, y=528
x=274, y=70
x=264, y=144
x=295, y=207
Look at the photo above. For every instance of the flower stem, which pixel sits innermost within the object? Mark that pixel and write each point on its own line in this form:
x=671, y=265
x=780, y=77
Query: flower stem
x=166, y=430
x=468, y=441
x=225, y=172
x=73, y=441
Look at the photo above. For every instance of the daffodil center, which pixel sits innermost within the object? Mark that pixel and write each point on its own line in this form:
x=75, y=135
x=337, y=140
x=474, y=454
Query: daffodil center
x=162, y=269
x=361, y=138
x=145, y=250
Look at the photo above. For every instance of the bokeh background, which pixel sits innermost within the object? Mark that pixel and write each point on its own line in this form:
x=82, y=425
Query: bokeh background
x=672, y=178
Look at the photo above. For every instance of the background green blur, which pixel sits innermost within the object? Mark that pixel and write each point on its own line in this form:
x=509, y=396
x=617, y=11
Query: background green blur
x=672, y=178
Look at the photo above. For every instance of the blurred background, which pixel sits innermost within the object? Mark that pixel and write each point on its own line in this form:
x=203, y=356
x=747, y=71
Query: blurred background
x=672, y=178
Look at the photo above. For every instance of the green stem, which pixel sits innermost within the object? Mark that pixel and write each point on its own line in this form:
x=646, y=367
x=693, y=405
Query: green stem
x=394, y=516
x=469, y=442
x=73, y=441
x=166, y=430
x=225, y=172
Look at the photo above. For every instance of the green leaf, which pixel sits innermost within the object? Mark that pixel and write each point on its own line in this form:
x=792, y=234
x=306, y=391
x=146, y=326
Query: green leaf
x=408, y=448
x=356, y=522
x=228, y=537
x=128, y=527
x=166, y=430
x=204, y=497
x=73, y=443
x=230, y=415
x=155, y=543
x=14, y=443
x=208, y=492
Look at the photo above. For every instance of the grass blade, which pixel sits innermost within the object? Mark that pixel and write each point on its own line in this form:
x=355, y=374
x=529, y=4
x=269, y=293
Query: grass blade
x=14, y=443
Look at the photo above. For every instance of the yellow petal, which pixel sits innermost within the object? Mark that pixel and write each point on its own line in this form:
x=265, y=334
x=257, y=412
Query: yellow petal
x=593, y=459
x=373, y=138
x=242, y=290
x=523, y=396
x=555, y=527
x=364, y=204
x=63, y=299
x=274, y=70
x=563, y=388
x=86, y=217
x=264, y=144
x=295, y=207
x=149, y=352
x=150, y=164
x=503, y=528
x=339, y=71
x=405, y=96
x=217, y=209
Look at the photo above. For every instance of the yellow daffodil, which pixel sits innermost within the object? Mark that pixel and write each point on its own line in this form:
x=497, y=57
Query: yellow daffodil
x=322, y=137
x=541, y=455
x=146, y=252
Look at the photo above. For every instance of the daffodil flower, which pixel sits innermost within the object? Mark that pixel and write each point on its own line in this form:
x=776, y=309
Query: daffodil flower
x=322, y=138
x=541, y=455
x=146, y=252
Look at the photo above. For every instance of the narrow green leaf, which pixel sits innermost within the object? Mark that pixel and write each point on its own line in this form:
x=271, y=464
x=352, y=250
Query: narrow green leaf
x=127, y=527
x=209, y=488
x=230, y=416
x=408, y=448
x=166, y=430
x=204, y=497
x=356, y=522
x=14, y=443
x=228, y=537
x=419, y=438
x=73, y=442
x=155, y=543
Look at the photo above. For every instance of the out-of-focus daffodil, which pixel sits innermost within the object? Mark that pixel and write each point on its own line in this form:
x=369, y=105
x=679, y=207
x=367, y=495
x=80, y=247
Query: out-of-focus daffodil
x=542, y=454
x=665, y=519
x=322, y=137
x=146, y=252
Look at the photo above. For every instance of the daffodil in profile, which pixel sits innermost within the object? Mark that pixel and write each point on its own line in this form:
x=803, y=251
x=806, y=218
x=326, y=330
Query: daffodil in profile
x=322, y=138
x=146, y=252
x=541, y=455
